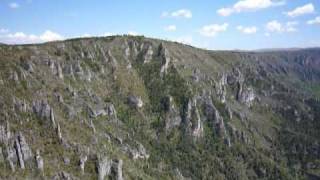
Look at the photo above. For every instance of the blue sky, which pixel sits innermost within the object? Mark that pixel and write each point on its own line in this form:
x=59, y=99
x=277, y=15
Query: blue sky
x=228, y=24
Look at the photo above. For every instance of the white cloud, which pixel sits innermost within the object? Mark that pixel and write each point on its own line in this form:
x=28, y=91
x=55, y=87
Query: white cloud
x=213, y=29
x=314, y=21
x=225, y=11
x=275, y=26
x=291, y=26
x=50, y=36
x=3, y=30
x=184, y=39
x=107, y=34
x=133, y=33
x=170, y=28
x=248, y=30
x=85, y=35
x=249, y=5
x=181, y=13
x=299, y=11
x=14, y=5
x=22, y=38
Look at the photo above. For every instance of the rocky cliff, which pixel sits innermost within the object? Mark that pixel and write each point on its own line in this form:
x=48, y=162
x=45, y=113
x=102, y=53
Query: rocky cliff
x=126, y=107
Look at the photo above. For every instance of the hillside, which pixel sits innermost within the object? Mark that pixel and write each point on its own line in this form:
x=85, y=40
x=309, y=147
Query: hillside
x=130, y=107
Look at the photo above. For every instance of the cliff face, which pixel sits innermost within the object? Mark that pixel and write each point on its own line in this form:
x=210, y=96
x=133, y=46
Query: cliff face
x=138, y=108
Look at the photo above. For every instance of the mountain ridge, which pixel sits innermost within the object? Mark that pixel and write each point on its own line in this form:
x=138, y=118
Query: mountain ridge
x=129, y=107
x=181, y=43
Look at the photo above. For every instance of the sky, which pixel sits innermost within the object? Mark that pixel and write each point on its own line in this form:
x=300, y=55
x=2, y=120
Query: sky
x=210, y=24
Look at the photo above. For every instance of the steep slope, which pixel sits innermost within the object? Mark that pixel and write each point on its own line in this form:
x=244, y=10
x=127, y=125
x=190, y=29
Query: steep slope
x=138, y=108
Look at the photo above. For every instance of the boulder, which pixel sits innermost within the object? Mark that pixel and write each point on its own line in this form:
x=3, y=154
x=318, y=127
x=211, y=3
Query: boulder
x=135, y=101
x=97, y=112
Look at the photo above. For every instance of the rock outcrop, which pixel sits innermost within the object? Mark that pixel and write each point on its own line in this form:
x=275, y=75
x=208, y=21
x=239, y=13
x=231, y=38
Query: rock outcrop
x=172, y=115
x=104, y=167
x=222, y=89
x=135, y=101
x=246, y=96
x=64, y=176
x=138, y=152
x=148, y=54
x=23, y=150
x=117, y=169
x=82, y=162
x=193, y=119
x=165, y=58
x=44, y=111
x=39, y=161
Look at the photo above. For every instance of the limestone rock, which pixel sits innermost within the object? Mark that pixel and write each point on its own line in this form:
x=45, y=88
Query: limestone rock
x=83, y=160
x=193, y=120
x=148, y=54
x=27, y=65
x=173, y=118
x=11, y=157
x=39, y=161
x=68, y=70
x=117, y=169
x=111, y=110
x=164, y=55
x=136, y=153
x=2, y=160
x=104, y=167
x=135, y=101
x=63, y=176
x=221, y=88
x=78, y=69
x=23, y=150
x=14, y=76
x=247, y=96
x=59, y=134
x=5, y=134
x=59, y=72
x=44, y=111
x=111, y=59
x=213, y=115
x=97, y=112
x=195, y=75
x=20, y=105
x=66, y=160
